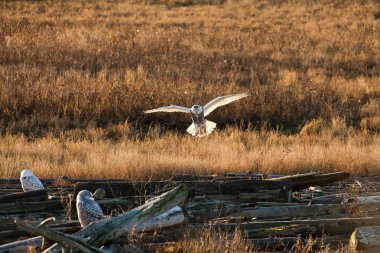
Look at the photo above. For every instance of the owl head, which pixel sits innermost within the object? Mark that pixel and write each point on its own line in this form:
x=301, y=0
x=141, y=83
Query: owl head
x=197, y=109
x=84, y=194
x=26, y=173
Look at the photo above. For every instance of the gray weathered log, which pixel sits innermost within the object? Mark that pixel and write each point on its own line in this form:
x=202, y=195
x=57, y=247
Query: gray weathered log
x=174, y=216
x=299, y=182
x=337, y=210
x=372, y=199
x=200, y=210
x=296, y=177
x=338, y=226
x=38, y=195
x=195, y=187
x=328, y=199
x=67, y=241
x=108, y=229
x=27, y=207
x=366, y=239
x=16, y=233
x=22, y=246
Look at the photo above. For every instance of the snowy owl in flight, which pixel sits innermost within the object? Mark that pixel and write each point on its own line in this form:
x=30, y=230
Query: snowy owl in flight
x=88, y=209
x=29, y=182
x=201, y=126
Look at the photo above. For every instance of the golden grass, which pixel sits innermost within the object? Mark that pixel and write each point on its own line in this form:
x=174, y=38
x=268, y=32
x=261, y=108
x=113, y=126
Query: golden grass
x=209, y=240
x=161, y=156
x=76, y=75
x=74, y=64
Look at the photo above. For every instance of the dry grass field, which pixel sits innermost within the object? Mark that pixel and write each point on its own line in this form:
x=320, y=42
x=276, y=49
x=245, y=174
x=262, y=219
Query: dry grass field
x=75, y=77
x=160, y=157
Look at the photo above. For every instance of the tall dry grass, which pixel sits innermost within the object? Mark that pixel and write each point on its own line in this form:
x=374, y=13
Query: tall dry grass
x=211, y=240
x=160, y=156
x=79, y=73
x=75, y=64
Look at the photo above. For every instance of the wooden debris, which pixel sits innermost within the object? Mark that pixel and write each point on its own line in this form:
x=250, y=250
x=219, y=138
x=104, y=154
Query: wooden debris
x=27, y=207
x=336, y=226
x=22, y=246
x=338, y=210
x=311, y=211
x=174, y=216
x=254, y=203
x=39, y=195
x=304, y=181
x=366, y=239
x=195, y=187
x=67, y=241
x=108, y=229
x=328, y=199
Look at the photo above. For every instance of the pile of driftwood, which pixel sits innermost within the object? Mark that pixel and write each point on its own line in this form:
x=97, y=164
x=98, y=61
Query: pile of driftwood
x=273, y=212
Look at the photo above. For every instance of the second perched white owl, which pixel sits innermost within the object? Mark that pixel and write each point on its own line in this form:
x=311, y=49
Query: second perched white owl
x=88, y=209
x=30, y=182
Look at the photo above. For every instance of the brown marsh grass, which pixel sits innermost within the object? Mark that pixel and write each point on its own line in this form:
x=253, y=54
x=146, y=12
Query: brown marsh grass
x=159, y=156
x=74, y=64
x=208, y=240
x=75, y=77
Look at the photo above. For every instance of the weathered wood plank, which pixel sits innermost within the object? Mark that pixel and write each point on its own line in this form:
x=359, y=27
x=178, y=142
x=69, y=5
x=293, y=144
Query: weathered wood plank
x=338, y=226
x=299, y=182
x=22, y=245
x=311, y=211
x=25, y=207
x=195, y=187
x=38, y=195
x=68, y=241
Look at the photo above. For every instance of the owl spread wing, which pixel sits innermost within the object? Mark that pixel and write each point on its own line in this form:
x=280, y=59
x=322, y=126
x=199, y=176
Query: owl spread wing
x=223, y=100
x=170, y=108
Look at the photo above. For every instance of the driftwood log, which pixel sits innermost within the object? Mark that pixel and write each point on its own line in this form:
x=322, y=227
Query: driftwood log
x=39, y=195
x=195, y=187
x=366, y=239
x=336, y=210
x=23, y=245
x=108, y=229
x=338, y=226
x=28, y=207
x=256, y=204
x=173, y=217
x=304, y=181
x=67, y=241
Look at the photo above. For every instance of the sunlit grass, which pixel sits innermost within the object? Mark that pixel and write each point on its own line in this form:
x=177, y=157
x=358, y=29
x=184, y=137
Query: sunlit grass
x=161, y=156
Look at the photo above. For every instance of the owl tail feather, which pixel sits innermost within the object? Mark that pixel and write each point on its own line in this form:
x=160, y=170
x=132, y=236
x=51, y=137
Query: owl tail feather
x=210, y=126
x=207, y=129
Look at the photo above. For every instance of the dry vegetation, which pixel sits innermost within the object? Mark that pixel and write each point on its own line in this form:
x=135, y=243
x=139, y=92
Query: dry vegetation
x=160, y=156
x=216, y=241
x=75, y=77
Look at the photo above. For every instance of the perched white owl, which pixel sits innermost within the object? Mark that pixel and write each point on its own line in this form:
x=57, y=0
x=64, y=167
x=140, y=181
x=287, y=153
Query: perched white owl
x=201, y=126
x=29, y=182
x=88, y=209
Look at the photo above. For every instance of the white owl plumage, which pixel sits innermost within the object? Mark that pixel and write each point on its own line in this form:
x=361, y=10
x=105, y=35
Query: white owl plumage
x=201, y=126
x=88, y=209
x=30, y=182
